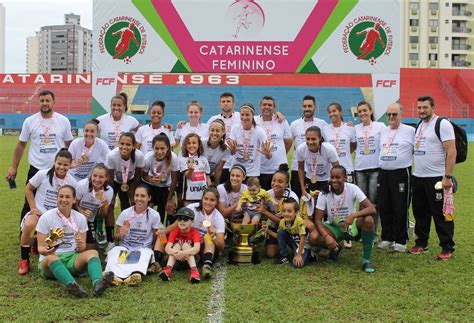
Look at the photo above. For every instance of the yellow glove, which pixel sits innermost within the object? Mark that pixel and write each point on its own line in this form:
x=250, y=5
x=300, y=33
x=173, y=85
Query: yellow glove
x=54, y=236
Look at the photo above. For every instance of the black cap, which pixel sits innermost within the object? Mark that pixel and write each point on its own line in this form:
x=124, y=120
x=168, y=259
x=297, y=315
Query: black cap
x=185, y=212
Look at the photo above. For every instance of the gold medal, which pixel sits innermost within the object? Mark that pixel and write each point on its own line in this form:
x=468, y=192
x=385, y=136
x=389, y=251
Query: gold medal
x=47, y=141
x=314, y=179
x=85, y=158
x=366, y=150
x=124, y=187
x=417, y=146
x=163, y=177
x=386, y=150
x=338, y=150
x=206, y=223
x=246, y=156
x=98, y=195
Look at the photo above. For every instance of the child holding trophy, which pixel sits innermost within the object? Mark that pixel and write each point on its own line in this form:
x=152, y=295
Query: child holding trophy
x=161, y=174
x=184, y=243
x=136, y=232
x=62, y=247
x=93, y=199
x=250, y=199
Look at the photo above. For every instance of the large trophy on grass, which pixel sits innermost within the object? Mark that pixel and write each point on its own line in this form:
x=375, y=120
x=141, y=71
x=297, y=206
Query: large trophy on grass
x=243, y=253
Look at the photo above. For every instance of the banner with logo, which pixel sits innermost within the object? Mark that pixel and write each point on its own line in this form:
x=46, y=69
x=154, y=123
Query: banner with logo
x=386, y=89
x=247, y=36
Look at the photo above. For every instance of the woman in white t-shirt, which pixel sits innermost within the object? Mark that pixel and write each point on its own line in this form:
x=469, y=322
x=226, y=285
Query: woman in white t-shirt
x=194, y=111
x=87, y=151
x=215, y=150
x=145, y=134
x=93, y=199
x=41, y=194
x=194, y=170
x=161, y=174
x=343, y=221
x=315, y=160
x=342, y=137
x=125, y=165
x=136, y=234
x=230, y=192
x=62, y=247
x=248, y=141
x=116, y=122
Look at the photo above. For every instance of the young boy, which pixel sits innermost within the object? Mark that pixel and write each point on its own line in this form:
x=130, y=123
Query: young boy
x=250, y=199
x=292, y=233
x=183, y=244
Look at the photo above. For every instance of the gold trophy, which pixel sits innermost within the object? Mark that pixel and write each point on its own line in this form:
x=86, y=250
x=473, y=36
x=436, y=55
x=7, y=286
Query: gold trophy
x=243, y=253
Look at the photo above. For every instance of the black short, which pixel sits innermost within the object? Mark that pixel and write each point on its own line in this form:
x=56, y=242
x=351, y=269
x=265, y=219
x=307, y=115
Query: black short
x=90, y=236
x=271, y=240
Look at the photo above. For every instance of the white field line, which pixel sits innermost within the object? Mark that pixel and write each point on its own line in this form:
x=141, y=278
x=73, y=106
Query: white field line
x=216, y=306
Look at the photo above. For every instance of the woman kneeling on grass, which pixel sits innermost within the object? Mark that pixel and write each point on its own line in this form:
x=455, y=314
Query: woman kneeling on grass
x=65, y=253
x=343, y=223
x=136, y=228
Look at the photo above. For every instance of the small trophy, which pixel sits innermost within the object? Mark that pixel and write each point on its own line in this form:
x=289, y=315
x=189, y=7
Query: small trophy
x=243, y=253
x=55, y=238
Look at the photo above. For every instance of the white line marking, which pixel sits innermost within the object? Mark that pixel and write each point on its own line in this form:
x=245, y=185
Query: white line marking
x=215, y=307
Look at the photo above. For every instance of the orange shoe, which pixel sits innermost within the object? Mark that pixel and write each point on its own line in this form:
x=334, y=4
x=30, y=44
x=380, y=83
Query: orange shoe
x=194, y=276
x=24, y=267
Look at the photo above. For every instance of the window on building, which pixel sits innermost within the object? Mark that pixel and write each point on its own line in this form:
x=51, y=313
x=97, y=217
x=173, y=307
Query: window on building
x=433, y=57
x=414, y=5
x=447, y=4
x=434, y=6
x=446, y=21
x=433, y=39
x=446, y=38
x=414, y=22
x=413, y=39
x=446, y=55
x=413, y=56
x=433, y=23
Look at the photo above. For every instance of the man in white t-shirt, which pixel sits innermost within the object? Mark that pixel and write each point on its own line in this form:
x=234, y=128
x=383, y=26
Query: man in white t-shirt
x=230, y=118
x=435, y=157
x=393, y=194
x=298, y=132
x=48, y=132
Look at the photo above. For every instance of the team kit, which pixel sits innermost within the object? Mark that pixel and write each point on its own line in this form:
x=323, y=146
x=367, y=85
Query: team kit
x=183, y=188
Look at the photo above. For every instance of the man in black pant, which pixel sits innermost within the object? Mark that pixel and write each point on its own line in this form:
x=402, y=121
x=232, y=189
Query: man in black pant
x=393, y=195
x=434, y=165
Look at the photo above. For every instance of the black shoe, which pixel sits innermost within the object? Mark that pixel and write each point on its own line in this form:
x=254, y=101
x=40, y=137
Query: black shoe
x=281, y=261
x=75, y=290
x=101, y=285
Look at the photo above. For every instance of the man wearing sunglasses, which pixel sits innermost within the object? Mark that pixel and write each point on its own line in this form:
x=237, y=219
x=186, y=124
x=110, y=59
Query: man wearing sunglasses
x=393, y=195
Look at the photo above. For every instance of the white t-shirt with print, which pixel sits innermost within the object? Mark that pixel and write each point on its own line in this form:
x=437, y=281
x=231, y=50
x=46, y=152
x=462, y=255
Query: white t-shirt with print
x=145, y=135
x=215, y=155
x=229, y=124
x=298, y=132
x=341, y=138
x=396, y=147
x=252, y=139
x=52, y=220
x=202, y=130
x=368, y=145
x=110, y=130
x=231, y=198
x=276, y=132
x=319, y=163
x=430, y=155
x=341, y=205
x=193, y=188
x=216, y=219
x=155, y=167
x=115, y=162
x=96, y=154
x=272, y=193
x=87, y=200
x=142, y=228
x=46, y=196
x=47, y=136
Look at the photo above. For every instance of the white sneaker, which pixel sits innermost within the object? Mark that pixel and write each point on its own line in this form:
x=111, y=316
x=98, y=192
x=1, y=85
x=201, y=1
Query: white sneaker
x=347, y=244
x=110, y=246
x=400, y=247
x=385, y=244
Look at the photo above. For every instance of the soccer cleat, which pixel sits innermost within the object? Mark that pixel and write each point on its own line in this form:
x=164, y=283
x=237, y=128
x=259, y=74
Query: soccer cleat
x=398, y=247
x=416, y=250
x=101, y=285
x=347, y=244
x=154, y=268
x=117, y=281
x=24, y=267
x=75, y=290
x=166, y=273
x=281, y=261
x=367, y=267
x=194, y=276
x=385, y=245
x=133, y=280
x=444, y=255
x=101, y=239
x=207, y=271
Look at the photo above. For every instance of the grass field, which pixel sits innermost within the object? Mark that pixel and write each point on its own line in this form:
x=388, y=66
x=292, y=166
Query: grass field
x=404, y=287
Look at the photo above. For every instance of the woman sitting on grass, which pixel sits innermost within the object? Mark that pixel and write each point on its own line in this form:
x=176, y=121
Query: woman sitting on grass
x=65, y=253
x=343, y=222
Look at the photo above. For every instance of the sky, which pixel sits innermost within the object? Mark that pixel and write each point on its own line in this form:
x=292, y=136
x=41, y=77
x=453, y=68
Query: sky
x=24, y=17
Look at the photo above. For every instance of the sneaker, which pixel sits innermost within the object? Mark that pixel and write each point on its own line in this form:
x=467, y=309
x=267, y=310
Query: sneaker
x=347, y=244
x=110, y=246
x=101, y=238
x=24, y=267
x=398, y=247
x=281, y=261
x=154, y=268
x=194, y=276
x=416, y=250
x=207, y=271
x=101, y=285
x=334, y=254
x=367, y=267
x=385, y=245
x=75, y=290
x=258, y=237
x=133, y=280
x=444, y=255
x=166, y=273
x=117, y=281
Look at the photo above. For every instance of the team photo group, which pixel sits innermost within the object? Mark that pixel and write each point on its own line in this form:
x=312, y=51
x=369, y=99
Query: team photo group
x=311, y=188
